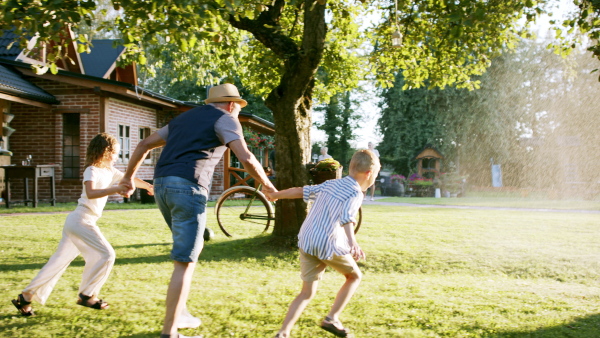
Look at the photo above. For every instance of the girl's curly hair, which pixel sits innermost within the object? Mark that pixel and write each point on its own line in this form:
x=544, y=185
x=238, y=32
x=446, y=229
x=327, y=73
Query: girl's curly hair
x=101, y=146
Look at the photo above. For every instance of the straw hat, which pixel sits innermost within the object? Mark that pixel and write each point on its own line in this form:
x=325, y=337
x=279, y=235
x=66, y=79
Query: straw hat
x=225, y=93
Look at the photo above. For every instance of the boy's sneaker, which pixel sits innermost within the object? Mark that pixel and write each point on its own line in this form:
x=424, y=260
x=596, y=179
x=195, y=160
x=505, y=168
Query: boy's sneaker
x=187, y=321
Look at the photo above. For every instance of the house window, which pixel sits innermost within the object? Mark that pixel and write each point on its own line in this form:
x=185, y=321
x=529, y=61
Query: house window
x=145, y=132
x=71, y=145
x=125, y=142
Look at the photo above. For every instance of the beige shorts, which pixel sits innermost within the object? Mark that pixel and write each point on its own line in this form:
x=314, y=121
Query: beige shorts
x=312, y=268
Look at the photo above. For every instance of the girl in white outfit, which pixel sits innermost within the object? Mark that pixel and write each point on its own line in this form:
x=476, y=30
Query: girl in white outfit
x=81, y=235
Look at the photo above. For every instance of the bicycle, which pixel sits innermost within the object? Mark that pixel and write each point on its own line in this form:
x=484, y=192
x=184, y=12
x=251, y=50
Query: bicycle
x=245, y=211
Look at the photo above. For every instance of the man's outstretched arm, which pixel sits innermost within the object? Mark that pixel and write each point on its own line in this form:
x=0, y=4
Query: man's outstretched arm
x=139, y=154
x=251, y=164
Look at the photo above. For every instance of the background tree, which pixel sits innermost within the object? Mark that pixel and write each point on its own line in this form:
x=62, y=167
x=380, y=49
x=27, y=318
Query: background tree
x=165, y=80
x=582, y=25
x=529, y=102
x=339, y=123
x=407, y=123
x=277, y=46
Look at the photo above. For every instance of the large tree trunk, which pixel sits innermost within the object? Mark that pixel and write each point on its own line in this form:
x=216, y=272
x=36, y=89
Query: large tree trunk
x=292, y=149
x=291, y=104
x=291, y=101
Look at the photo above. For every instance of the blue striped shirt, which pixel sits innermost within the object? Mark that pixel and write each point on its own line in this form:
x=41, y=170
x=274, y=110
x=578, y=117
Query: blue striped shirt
x=336, y=202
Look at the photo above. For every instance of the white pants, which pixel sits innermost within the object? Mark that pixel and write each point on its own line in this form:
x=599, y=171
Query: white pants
x=80, y=235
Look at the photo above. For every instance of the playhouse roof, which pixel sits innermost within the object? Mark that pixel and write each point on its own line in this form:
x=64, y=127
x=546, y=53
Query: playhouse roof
x=429, y=151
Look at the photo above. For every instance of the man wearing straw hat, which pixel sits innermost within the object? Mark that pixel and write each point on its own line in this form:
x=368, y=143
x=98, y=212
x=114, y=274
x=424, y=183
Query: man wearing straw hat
x=194, y=143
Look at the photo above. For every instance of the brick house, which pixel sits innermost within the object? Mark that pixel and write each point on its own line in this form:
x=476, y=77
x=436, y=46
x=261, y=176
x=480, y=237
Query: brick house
x=55, y=116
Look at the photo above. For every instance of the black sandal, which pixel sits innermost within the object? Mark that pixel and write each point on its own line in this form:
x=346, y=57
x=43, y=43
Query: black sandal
x=99, y=305
x=335, y=327
x=19, y=303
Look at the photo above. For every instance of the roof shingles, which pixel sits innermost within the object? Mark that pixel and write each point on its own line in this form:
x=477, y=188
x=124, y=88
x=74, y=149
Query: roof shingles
x=12, y=83
x=6, y=39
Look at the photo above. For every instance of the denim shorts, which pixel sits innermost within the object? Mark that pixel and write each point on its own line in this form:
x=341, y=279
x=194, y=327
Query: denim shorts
x=183, y=206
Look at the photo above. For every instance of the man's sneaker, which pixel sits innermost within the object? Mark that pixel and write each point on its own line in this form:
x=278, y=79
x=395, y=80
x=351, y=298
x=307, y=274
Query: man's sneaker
x=187, y=321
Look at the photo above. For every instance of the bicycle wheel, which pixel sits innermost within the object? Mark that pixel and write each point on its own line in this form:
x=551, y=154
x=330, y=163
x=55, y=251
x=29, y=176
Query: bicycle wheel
x=243, y=212
x=358, y=220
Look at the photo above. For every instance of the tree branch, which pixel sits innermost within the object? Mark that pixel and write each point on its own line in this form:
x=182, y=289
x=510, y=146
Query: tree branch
x=298, y=77
x=267, y=30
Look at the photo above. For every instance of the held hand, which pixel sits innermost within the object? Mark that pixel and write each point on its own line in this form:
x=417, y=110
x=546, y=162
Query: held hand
x=270, y=196
x=126, y=182
x=123, y=190
x=150, y=190
x=268, y=191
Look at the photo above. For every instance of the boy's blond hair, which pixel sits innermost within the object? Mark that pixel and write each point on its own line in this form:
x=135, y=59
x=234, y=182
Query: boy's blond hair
x=364, y=160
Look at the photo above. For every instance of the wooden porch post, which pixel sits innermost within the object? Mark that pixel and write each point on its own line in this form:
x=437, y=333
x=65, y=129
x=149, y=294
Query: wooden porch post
x=226, y=164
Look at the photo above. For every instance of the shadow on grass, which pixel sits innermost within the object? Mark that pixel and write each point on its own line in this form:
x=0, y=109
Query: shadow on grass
x=80, y=262
x=229, y=250
x=140, y=245
x=242, y=249
x=584, y=327
x=76, y=323
x=145, y=334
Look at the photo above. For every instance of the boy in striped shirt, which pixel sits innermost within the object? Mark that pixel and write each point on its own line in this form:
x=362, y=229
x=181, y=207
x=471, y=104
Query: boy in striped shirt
x=327, y=238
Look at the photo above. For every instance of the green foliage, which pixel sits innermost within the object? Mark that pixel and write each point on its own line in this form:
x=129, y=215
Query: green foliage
x=47, y=21
x=339, y=124
x=328, y=164
x=582, y=25
x=447, y=42
x=162, y=76
x=410, y=120
x=444, y=41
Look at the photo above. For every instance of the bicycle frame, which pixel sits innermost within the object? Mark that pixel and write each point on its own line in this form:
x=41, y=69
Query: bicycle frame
x=245, y=214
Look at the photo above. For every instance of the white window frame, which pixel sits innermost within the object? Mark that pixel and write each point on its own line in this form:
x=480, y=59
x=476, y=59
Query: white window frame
x=124, y=132
x=143, y=133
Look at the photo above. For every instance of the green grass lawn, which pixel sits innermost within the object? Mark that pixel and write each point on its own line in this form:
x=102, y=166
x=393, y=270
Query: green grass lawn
x=68, y=207
x=502, y=200
x=429, y=272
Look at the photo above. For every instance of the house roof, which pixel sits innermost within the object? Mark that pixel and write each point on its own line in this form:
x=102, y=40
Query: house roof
x=99, y=62
x=122, y=88
x=6, y=38
x=13, y=83
x=102, y=58
x=257, y=123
